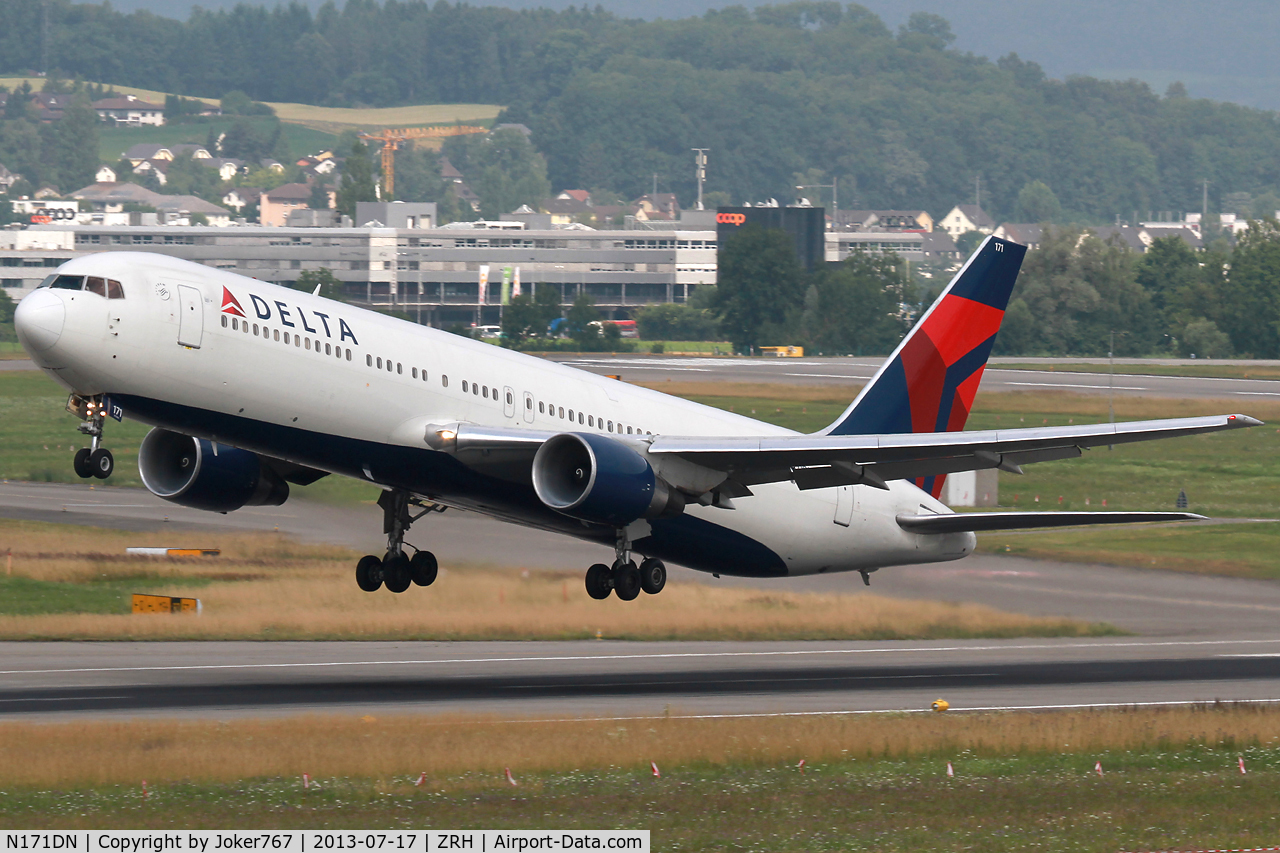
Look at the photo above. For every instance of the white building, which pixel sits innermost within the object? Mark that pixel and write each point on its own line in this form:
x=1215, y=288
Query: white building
x=964, y=218
x=129, y=111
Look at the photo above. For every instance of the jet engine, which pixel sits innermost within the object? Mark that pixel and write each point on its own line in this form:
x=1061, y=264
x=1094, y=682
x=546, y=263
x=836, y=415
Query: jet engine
x=204, y=475
x=595, y=478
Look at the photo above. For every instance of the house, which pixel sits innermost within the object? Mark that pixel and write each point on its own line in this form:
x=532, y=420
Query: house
x=105, y=174
x=46, y=191
x=7, y=179
x=964, y=218
x=158, y=168
x=654, y=207
x=938, y=245
x=274, y=206
x=129, y=111
x=154, y=151
x=111, y=198
x=183, y=207
x=271, y=165
x=565, y=209
x=228, y=167
x=463, y=192
x=882, y=220
x=583, y=196
x=50, y=107
x=1026, y=233
x=238, y=198
x=317, y=164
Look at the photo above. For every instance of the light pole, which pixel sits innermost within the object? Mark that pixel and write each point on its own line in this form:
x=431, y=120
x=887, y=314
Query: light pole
x=835, y=204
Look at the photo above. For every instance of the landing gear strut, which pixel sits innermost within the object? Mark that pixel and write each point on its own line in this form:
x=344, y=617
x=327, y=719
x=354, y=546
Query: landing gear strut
x=396, y=569
x=623, y=577
x=94, y=460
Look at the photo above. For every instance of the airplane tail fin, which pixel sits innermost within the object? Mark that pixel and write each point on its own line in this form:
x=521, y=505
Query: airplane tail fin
x=929, y=382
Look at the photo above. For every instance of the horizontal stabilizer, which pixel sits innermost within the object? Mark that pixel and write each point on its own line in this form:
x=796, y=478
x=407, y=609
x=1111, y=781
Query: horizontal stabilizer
x=978, y=521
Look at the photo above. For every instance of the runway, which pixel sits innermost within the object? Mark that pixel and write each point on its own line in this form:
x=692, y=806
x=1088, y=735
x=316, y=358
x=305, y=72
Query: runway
x=1196, y=638
x=856, y=371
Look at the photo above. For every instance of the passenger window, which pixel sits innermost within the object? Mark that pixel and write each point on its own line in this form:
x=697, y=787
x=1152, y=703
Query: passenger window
x=328, y=350
x=415, y=373
x=444, y=380
x=224, y=321
x=255, y=329
x=244, y=327
x=465, y=387
x=348, y=355
x=628, y=430
x=475, y=389
x=379, y=362
x=297, y=341
x=390, y=367
x=486, y=392
x=528, y=403
x=571, y=414
x=509, y=399
x=562, y=411
x=68, y=282
x=399, y=367
x=286, y=338
x=610, y=426
x=424, y=374
x=235, y=324
x=368, y=360
x=94, y=284
x=114, y=289
x=591, y=420
x=580, y=419
x=542, y=408
x=276, y=334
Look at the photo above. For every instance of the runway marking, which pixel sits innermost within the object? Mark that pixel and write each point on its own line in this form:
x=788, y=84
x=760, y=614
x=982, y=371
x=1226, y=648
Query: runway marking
x=1264, y=655
x=60, y=699
x=1258, y=393
x=1069, y=385
x=1155, y=599
x=650, y=656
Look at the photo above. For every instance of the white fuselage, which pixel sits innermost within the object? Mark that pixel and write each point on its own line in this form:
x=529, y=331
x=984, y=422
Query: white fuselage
x=236, y=380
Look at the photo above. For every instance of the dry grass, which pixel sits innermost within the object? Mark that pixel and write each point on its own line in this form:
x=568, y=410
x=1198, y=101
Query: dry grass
x=401, y=747
x=150, y=95
x=266, y=586
x=337, y=119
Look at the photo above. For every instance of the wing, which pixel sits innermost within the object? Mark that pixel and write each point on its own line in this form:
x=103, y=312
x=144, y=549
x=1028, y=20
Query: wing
x=980, y=521
x=822, y=461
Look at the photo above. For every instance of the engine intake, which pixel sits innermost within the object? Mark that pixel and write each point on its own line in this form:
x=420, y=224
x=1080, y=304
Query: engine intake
x=199, y=474
x=596, y=478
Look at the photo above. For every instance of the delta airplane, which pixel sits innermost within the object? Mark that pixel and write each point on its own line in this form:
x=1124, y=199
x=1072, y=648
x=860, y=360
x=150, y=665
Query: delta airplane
x=250, y=387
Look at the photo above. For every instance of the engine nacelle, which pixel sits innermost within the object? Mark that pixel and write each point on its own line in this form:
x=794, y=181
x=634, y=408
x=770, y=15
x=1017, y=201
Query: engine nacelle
x=196, y=473
x=596, y=478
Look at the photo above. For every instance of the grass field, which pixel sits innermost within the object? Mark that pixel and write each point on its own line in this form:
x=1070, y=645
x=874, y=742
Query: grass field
x=873, y=782
x=1208, y=369
x=114, y=141
x=74, y=583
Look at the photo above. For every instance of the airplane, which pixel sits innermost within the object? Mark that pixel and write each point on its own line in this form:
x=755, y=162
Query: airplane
x=250, y=387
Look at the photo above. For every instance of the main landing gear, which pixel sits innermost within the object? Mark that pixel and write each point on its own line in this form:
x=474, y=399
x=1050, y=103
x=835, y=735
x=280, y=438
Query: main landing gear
x=94, y=460
x=623, y=577
x=397, y=570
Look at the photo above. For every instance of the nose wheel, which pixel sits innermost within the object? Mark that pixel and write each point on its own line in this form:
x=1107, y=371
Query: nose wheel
x=94, y=460
x=396, y=570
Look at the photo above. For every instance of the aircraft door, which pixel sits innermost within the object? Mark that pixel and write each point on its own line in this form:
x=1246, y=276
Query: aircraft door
x=191, y=318
x=844, y=506
x=508, y=402
x=528, y=407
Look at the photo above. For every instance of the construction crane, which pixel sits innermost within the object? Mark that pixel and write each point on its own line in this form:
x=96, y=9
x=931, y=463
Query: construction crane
x=392, y=137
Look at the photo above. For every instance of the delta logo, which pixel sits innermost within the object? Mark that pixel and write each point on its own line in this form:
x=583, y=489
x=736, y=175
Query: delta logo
x=285, y=315
x=231, y=305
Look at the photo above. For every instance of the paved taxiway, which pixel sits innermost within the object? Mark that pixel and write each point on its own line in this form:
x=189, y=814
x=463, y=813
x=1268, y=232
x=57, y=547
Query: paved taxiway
x=856, y=371
x=1197, y=639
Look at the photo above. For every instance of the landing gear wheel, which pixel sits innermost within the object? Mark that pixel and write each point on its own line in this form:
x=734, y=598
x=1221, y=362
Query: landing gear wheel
x=653, y=576
x=626, y=580
x=80, y=462
x=423, y=568
x=599, y=582
x=395, y=572
x=369, y=573
x=101, y=463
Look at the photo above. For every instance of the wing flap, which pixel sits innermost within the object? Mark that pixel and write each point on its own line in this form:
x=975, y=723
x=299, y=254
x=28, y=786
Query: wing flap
x=961, y=522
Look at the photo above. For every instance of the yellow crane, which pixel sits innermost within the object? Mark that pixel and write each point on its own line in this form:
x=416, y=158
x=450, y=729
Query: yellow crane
x=392, y=137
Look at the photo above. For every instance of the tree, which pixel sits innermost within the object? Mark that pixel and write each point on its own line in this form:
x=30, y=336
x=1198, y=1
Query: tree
x=418, y=175
x=319, y=198
x=968, y=242
x=582, y=314
x=519, y=321
x=758, y=284
x=672, y=322
x=1037, y=203
x=1252, y=290
x=330, y=285
x=502, y=168
x=856, y=306
x=70, y=147
x=188, y=176
x=357, y=180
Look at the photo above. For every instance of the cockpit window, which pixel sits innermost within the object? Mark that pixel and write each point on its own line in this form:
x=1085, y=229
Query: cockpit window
x=48, y=280
x=114, y=290
x=68, y=282
x=94, y=284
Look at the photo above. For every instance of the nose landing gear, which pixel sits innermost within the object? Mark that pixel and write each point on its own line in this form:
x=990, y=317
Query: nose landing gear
x=623, y=577
x=396, y=570
x=94, y=460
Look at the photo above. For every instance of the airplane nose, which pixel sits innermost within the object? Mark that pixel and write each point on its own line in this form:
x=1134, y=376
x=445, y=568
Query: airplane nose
x=38, y=320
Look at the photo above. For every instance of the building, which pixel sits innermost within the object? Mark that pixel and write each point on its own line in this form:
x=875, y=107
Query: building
x=882, y=220
x=274, y=206
x=228, y=167
x=182, y=209
x=396, y=214
x=7, y=179
x=1028, y=234
x=143, y=151
x=964, y=218
x=27, y=256
x=807, y=227
x=238, y=198
x=129, y=111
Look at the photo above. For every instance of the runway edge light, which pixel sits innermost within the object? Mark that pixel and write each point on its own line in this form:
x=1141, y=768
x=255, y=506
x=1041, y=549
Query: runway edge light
x=940, y=705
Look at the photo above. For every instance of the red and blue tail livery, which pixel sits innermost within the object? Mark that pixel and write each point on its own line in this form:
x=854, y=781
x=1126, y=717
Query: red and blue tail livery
x=929, y=382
